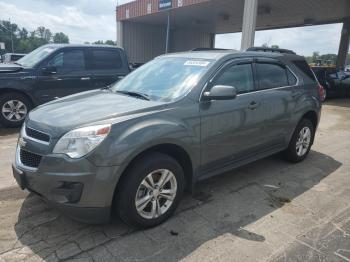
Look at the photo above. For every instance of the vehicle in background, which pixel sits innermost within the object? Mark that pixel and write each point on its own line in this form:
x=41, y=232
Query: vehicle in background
x=54, y=71
x=336, y=82
x=11, y=57
x=178, y=119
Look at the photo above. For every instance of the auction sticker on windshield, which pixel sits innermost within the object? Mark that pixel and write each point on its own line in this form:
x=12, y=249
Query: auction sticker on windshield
x=196, y=63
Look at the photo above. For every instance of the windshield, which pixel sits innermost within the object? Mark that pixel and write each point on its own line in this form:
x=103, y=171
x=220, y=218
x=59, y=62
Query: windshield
x=164, y=79
x=36, y=56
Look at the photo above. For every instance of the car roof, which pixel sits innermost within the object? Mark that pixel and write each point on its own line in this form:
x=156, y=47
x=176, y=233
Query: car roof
x=219, y=54
x=15, y=54
x=82, y=45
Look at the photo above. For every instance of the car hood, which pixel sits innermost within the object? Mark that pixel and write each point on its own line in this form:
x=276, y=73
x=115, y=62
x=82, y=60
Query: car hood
x=6, y=68
x=92, y=107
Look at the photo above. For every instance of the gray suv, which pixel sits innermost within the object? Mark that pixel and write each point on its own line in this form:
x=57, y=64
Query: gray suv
x=136, y=146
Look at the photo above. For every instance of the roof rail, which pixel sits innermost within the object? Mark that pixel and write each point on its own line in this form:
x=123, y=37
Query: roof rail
x=274, y=50
x=207, y=49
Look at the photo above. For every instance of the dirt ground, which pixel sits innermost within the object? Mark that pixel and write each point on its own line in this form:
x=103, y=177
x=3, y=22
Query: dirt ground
x=269, y=210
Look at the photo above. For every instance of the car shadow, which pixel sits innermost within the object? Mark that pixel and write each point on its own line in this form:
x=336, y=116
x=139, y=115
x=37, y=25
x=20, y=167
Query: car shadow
x=8, y=131
x=339, y=102
x=224, y=204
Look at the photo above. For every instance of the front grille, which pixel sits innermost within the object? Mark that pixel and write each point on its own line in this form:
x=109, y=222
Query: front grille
x=29, y=159
x=37, y=134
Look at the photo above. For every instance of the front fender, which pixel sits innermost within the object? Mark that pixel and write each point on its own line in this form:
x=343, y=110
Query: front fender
x=127, y=140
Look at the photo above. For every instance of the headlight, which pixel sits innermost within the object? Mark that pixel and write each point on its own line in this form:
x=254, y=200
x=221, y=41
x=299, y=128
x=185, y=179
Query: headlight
x=79, y=142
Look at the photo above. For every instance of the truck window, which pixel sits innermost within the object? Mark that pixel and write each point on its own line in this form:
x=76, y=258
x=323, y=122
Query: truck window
x=106, y=59
x=68, y=60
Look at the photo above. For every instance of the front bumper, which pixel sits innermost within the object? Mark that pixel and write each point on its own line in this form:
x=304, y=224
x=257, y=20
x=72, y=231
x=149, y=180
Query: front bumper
x=76, y=187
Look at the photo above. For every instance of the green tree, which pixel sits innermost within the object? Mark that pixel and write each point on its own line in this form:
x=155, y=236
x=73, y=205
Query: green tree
x=107, y=42
x=98, y=42
x=110, y=42
x=25, y=41
x=60, y=38
x=315, y=56
x=23, y=33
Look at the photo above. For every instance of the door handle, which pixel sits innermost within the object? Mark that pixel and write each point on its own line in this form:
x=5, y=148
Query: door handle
x=85, y=78
x=253, y=105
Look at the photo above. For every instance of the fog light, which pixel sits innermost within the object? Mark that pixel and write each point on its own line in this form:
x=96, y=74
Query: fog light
x=68, y=192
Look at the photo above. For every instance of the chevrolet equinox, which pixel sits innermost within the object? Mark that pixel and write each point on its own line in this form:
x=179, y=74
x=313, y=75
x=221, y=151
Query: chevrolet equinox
x=136, y=146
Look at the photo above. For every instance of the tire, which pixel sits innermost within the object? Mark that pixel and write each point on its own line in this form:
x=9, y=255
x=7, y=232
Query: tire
x=15, y=103
x=130, y=190
x=296, y=153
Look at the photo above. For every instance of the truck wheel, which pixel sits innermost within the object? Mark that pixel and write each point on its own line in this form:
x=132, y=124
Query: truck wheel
x=14, y=108
x=150, y=191
x=300, y=144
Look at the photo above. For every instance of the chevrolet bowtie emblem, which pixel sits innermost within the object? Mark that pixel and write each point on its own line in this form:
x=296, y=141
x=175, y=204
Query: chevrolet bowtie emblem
x=22, y=142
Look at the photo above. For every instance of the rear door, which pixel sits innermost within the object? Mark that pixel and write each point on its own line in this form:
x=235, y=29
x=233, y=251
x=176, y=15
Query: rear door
x=231, y=129
x=106, y=65
x=70, y=75
x=276, y=85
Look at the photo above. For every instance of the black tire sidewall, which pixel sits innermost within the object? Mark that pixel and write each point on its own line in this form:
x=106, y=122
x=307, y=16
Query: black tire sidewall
x=291, y=152
x=13, y=96
x=125, y=198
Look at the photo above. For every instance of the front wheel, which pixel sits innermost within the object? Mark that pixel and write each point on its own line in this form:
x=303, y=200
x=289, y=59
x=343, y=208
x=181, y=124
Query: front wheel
x=14, y=109
x=150, y=191
x=301, y=141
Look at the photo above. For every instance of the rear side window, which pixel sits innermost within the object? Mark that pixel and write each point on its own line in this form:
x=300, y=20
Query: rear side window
x=239, y=76
x=104, y=59
x=303, y=66
x=292, y=80
x=271, y=75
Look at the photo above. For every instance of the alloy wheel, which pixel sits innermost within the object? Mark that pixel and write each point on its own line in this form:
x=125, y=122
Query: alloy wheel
x=303, y=141
x=14, y=110
x=156, y=194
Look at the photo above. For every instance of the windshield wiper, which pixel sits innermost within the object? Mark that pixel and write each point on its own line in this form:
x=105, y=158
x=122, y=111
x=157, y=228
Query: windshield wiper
x=16, y=63
x=134, y=94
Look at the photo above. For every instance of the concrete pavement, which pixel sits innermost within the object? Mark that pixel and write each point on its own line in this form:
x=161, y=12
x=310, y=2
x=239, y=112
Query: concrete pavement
x=270, y=210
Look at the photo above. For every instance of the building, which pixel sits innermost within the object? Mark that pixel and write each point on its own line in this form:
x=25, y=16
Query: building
x=148, y=28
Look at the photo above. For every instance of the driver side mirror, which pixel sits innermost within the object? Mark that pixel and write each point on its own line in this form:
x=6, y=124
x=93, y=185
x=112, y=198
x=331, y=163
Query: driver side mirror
x=50, y=70
x=220, y=92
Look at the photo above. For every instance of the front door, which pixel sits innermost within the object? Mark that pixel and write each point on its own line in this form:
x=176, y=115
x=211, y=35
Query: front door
x=231, y=129
x=68, y=76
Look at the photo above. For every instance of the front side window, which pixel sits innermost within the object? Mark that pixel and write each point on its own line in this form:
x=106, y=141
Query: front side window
x=164, y=79
x=238, y=76
x=68, y=60
x=106, y=59
x=271, y=75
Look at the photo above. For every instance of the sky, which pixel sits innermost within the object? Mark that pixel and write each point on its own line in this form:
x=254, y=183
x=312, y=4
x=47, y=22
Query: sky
x=89, y=21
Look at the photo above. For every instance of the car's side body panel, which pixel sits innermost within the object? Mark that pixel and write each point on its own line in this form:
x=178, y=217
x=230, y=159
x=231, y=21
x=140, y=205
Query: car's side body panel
x=216, y=135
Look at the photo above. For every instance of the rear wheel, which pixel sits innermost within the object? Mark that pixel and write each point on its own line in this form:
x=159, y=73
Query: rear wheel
x=301, y=141
x=150, y=191
x=14, y=109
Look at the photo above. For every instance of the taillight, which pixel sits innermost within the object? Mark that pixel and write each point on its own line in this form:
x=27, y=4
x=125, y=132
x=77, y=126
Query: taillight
x=321, y=92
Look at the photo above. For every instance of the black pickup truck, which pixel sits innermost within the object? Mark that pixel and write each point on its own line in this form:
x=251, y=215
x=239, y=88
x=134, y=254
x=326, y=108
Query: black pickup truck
x=53, y=71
